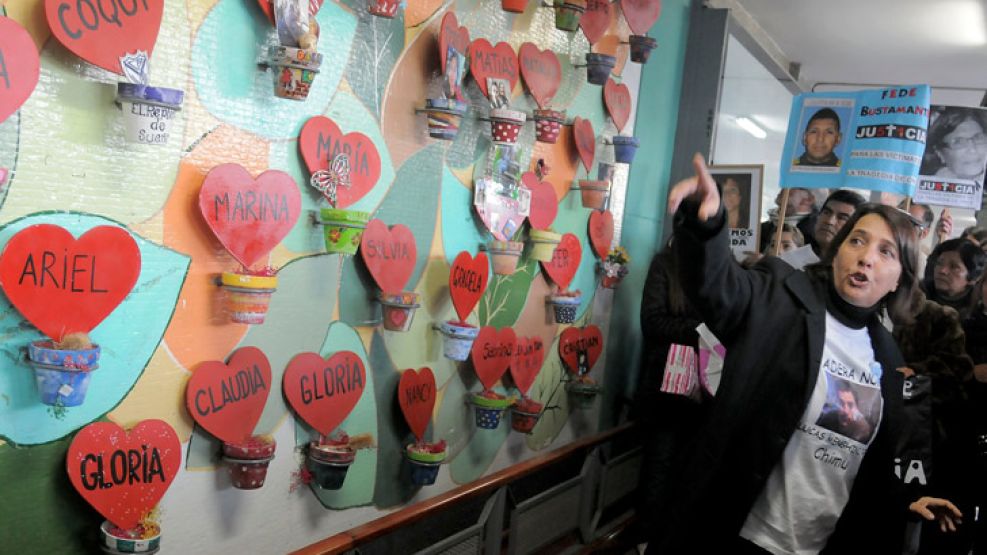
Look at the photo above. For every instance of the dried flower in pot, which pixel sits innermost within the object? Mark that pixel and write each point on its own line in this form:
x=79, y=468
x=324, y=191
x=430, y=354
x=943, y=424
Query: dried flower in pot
x=248, y=294
x=525, y=414
x=249, y=461
x=615, y=267
x=63, y=369
x=329, y=459
x=143, y=538
x=425, y=459
x=489, y=406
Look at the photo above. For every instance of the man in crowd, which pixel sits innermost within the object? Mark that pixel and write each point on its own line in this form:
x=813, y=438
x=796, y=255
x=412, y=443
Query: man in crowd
x=837, y=209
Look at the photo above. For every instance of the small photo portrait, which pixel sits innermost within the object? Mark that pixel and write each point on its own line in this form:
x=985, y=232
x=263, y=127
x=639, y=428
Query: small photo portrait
x=736, y=195
x=851, y=410
x=499, y=91
x=956, y=146
x=452, y=80
x=741, y=187
x=822, y=138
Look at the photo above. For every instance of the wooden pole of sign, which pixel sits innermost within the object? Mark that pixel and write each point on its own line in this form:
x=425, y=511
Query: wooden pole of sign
x=781, y=221
x=908, y=203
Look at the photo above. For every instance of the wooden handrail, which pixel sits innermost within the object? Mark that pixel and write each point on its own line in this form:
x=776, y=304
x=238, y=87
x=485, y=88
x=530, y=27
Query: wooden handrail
x=349, y=539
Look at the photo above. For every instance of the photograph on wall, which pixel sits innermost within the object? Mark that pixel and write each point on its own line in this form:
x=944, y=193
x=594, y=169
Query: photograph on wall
x=952, y=172
x=740, y=188
x=499, y=91
x=453, y=79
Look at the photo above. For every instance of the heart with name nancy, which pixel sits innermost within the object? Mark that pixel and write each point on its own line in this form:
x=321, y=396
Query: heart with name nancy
x=596, y=19
x=20, y=67
x=249, y=216
x=227, y=399
x=468, y=279
x=541, y=71
x=416, y=396
x=321, y=142
x=641, y=14
x=565, y=261
x=321, y=391
x=389, y=254
x=580, y=348
x=103, y=31
x=529, y=353
x=454, y=35
x=601, y=232
x=492, y=353
x=585, y=139
x=488, y=61
x=617, y=97
x=544, y=203
x=124, y=474
x=66, y=285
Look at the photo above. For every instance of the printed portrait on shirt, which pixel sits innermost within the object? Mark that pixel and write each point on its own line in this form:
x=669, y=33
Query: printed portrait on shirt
x=852, y=410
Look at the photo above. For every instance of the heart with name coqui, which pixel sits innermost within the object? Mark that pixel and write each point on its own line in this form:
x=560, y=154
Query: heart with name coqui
x=103, y=31
x=565, y=261
x=454, y=35
x=321, y=142
x=496, y=62
x=529, y=353
x=544, y=203
x=583, y=345
x=585, y=139
x=641, y=14
x=321, y=391
x=541, y=71
x=467, y=282
x=601, y=232
x=389, y=255
x=617, y=98
x=227, y=399
x=249, y=216
x=596, y=19
x=66, y=285
x=416, y=396
x=124, y=474
x=492, y=353
x=20, y=67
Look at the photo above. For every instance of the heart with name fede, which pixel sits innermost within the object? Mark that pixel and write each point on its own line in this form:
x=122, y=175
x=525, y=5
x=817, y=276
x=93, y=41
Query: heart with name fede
x=20, y=67
x=576, y=343
x=596, y=19
x=321, y=391
x=467, y=282
x=454, y=35
x=498, y=62
x=529, y=353
x=492, y=353
x=321, y=142
x=544, y=204
x=565, y=261
x=541, y=71
x=585, y=139
x=416, y=396
x=617, y=97
x=601, y=232
x=641, y=14
x=389, y=255
x=227, y=399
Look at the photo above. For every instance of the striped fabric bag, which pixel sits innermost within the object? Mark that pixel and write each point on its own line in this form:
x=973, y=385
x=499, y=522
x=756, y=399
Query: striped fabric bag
x=681, y=372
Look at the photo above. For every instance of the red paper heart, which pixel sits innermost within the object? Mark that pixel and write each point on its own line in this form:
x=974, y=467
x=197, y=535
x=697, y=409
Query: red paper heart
x=323, y=392
x=124, y=474
x=565, y=261
x=249, y=216
x=389, y=255
x=268, y=9
x=596, y=19
x=580, y=342
x=544, y=203
x=492, y=352
x=19, y=67
x=65, y=285
x=451, y=34
x=640, y=14
x=528, y=357
x=228, y=399
x=499, y=62
x=585, y=139
x=601, y=232
x=416, y=395
x=321, y=141
x=618, y=100
x=102, y=31
x=541, y=71
x=467, y=282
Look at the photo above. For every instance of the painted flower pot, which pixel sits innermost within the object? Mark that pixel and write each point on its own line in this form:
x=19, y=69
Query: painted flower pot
x=641, y=47
x=148, y=112
x=567, y=14
x=44, y=352
x=505, y=255
x=329, y=463
x=513, y=6
x=489, y=411
x=624, y=148
x=543, y=244
x=595, y=193
x=62, y=386
x=611, y=282
x=294, y=71
x=136, y=540
x=564, y=307
x=582, y=393
x=399, y=310
x=598, y=67
x=505, y=125
x=249, y=461
x=424, y=465
x=383, y=8
x=525, y=415
x=444, y=116
x=343, y=229
x=457, y=339
x=548, y=125
x=248, y=297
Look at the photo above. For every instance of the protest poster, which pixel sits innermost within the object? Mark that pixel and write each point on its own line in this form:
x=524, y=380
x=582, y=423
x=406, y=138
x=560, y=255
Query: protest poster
x=952, y=172
x=741, y=194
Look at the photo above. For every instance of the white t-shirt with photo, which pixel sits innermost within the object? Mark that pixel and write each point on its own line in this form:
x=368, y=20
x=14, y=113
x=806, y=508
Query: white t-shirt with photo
x=808, y=489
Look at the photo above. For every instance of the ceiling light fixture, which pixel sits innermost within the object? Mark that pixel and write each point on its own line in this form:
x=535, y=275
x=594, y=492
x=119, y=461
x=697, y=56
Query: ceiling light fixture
x=963, y=18
x=749, y=126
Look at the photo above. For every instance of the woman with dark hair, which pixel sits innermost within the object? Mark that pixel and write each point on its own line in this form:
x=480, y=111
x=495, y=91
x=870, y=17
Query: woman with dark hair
x=764, y=474
x=975, y=327
x=953, y=267
x=957, y=145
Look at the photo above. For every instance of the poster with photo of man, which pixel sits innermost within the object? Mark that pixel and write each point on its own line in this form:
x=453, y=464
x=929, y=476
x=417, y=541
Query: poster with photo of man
x=823, y=148
x=740, y=188
x=952, y=172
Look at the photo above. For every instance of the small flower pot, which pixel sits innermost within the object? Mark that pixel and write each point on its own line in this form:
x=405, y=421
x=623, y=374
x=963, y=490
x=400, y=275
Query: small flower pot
x=135, y=540
x=294, y=71
x=564, y=308
x=582, y=393
x=567, y=14
x=525, y=415
x=513, y=6
x=399, y=310
x=641, y=47
x=610, y=282
x=148, y=112
x=249, y=461
x=543, y=244
x=248, y=297
x=343, y=229
x=489, y=411
x=505, y=255
x=383, y=8
x=457, y=339
x=62, y=375
x=548, y=125
x=505, y=125
x=598, y=67
x=595, y=193
x=328, y=464
x=444, y=116
x=44, y=352
x=624, y=148
x=424, y=465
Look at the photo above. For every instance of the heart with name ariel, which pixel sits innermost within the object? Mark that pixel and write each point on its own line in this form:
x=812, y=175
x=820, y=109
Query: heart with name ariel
x=641, y=14
x=467, y=282
x=249, y=216
x=66, y=285
x=596, y=19
x=389, y=254
x=617, y=97
x=580, y=348
x=228, y=399
x=565, y=261
x=585, y=139
x=542, y=72
x=20, y=67
x=416, y=396
x=601, y=232
x=452, y=34
x=529, y=353
x=322, y=391
x=103, y=31
x=497, y=62
x=492, y=353
x=124, y=474
x=321, y=142
x=544, y=203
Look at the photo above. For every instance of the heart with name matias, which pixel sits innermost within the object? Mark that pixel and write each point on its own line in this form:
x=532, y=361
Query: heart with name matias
x=576, y=343
x=227, y=399
x=321, y=391
x=389, y=254
x=565, y=261
x=544, y=202
x=585, y=139
x=596, y=19
x=467, y=282
x=321, y=142
x=416, y=396
x=20, y=67
x=529, y=353
x=601, y=232
x=488, y=61
x=617, y=97
x=641, y=14
x=492, y=353
x=541, y=71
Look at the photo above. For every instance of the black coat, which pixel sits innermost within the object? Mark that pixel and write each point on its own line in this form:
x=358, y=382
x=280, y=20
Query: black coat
x=772, y=321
